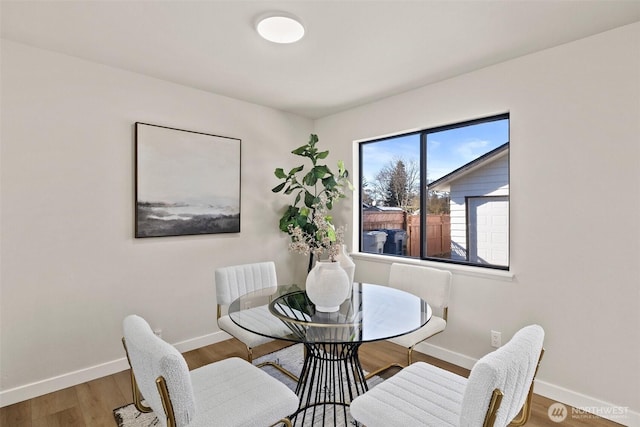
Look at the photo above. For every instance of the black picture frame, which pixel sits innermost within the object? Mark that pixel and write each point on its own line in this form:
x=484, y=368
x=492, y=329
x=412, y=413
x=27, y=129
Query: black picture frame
x=186, y=182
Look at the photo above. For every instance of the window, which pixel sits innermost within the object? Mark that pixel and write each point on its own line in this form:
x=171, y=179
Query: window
x=440, y=194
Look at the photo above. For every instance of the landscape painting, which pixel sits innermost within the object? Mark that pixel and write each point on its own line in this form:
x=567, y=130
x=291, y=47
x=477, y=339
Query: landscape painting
x=186, y=182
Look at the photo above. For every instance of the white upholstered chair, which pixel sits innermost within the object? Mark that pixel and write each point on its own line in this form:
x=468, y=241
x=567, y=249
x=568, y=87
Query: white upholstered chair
x=237, y=280
x=231, y=392
x=498, y=390
x=433, y=286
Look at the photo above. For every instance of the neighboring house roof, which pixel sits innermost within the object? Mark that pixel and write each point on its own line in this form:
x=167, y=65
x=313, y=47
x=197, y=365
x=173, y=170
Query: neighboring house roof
x=367, y=207
x=443, y=183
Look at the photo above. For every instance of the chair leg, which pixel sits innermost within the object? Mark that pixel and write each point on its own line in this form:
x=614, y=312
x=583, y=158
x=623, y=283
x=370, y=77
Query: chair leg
x=525, y=412
x=161, y=385
x=285, y=422
x=279, y=368
x=392, y=365
x=137, y=396
x=274, y=364
x=383, y=369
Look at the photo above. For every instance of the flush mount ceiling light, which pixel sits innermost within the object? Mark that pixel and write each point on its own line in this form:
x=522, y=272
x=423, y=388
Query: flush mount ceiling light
x=280, y=28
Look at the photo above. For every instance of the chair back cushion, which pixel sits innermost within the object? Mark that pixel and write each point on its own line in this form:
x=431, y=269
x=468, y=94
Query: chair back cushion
x=150, y=358
x=430, y=284
x=237, y=280
x=510, y=369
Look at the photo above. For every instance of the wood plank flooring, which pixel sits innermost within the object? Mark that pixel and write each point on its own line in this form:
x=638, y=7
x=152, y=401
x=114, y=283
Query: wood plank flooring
x=91, y=404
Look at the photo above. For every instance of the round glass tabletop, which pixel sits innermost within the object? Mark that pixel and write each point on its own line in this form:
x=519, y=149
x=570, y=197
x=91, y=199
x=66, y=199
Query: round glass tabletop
x=371, y=313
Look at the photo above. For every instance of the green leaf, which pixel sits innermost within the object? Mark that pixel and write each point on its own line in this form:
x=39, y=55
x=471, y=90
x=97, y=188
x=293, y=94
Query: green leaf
x=280, y=173
x=288, y=218
x=329, y=182
x=310, y=178
x=323, y=155
x=309, y=200
x=300, y=151
x=297, y=198
x=331, y=233
x=293, y=211
x=278, y=188
x=284, y=224
x=296, y=170
x=301, y=221
x=320, y=171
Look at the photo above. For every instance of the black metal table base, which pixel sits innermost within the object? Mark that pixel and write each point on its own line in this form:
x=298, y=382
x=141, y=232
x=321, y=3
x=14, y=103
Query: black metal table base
x=331, y=378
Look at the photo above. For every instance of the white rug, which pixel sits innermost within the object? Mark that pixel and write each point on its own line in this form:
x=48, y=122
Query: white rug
x=291, y=358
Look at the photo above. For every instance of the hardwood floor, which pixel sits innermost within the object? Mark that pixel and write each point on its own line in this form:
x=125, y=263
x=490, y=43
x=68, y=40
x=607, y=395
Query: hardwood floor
x=91, y=404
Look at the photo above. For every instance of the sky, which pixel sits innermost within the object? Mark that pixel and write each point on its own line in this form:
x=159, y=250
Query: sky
x=446, y=150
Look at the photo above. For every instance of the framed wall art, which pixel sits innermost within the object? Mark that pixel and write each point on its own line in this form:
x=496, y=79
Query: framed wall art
x=186, y=182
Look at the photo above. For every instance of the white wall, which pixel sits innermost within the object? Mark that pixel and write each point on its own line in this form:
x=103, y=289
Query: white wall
x=71, y=269
x=575, y=205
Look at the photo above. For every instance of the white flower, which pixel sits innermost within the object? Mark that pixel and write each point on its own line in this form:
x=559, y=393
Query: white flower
x=325, y=238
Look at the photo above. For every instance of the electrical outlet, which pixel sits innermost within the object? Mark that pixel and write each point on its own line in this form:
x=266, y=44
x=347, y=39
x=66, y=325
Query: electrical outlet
x=496, y=339
x=158, y=332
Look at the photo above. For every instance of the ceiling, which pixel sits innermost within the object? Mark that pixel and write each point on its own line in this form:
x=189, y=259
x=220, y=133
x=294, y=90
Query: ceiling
x=354, y=52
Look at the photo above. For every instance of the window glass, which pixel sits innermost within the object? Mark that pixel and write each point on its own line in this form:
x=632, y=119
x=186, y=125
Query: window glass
x=440, y=194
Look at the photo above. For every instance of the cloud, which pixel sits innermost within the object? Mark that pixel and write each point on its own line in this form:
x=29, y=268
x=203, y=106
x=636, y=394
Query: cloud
x=472, y=149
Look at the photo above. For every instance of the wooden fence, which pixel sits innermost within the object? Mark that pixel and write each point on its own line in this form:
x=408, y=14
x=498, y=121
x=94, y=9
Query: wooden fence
x=384, y=220
x=438, y=230
x=438, y=235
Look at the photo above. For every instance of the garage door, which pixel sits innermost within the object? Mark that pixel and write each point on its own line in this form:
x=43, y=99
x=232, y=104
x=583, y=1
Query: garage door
x=488, y=230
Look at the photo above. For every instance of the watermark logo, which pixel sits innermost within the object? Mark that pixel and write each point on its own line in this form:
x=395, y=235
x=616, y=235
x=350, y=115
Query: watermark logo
x=557, y=412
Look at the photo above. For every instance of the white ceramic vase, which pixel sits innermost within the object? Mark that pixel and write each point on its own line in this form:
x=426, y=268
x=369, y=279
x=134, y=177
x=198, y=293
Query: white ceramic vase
x=327, y=286
x=347, y=264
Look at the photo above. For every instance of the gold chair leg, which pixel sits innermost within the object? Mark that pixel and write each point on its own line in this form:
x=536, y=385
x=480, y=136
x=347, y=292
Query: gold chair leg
x=161, y=385
x=279, y=368
x=285, y=421
x=383, y=369
x=392, y=365
x=137, y=396
x=525, y=412
x=274, y=364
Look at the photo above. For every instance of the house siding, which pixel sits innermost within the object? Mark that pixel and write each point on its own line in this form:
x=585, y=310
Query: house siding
x=491, y=180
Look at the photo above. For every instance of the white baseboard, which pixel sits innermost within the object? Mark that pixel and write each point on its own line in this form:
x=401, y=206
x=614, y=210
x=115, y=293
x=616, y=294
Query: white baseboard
x=584, y=405
x=39, y=388
x=203, y=341
x=457, y=359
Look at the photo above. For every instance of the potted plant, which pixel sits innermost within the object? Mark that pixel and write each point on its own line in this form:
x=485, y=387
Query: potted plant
x=310, y=226
x=316, y=190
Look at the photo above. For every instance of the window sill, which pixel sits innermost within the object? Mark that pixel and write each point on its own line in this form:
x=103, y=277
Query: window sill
x=453, y=268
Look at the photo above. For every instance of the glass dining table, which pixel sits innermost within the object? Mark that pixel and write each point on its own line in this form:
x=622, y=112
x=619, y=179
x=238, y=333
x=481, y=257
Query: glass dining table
x=332, y=375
